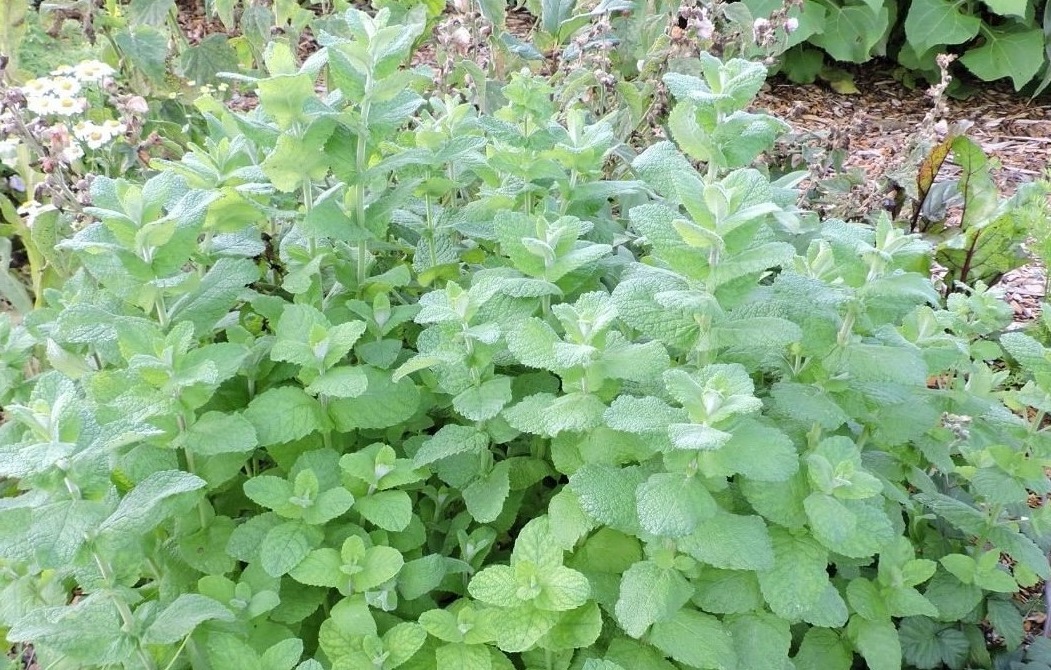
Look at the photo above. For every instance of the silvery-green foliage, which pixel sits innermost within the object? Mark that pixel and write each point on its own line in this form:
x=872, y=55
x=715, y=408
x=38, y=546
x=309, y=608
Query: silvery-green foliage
x=462, y=407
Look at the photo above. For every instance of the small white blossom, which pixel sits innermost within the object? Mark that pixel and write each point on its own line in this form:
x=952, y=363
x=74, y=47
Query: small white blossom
x=68, y=105
x=63, y=71
x=37, y=87
x=760, y=24
x=92, y=71
x=114, y=128
x=39, y=104
x=63, y=86
x=791, y=25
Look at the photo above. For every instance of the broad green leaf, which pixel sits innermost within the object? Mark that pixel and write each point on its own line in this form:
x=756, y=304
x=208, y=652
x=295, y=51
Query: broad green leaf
x=286, y=545
x=450, y=440
x=851, y=31
x=320, y=567
x=462, y=657
x=671, y=505
x=284, y=98
x=933, y=22
x=648, y=594
x=390, y=510
x=220, y=433
x=485, y=496
x=203, y=61
x=823, y=649
x=576, y=629
x=342, y=381
x=146, y=47
x=385, y=404
x=1008, y=7
x=798, y=578
x=144, y=506
x=421, y=576
x=607, y=494
x=927, y=644
x=520, y=628
x=284, y=414
x=483, y=402
x=695, y=639
x=178, y=619
x=877, y=641
x=732, y=542
x=761, y=640
x=1007, y=53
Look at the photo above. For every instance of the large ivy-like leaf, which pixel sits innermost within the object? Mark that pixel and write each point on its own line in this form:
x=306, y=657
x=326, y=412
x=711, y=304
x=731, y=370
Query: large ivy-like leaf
x=1013, y=52
x=933, y=22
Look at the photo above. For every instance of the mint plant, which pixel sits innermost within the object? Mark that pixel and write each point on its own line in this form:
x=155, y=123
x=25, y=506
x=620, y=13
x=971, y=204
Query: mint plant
x=375, y=378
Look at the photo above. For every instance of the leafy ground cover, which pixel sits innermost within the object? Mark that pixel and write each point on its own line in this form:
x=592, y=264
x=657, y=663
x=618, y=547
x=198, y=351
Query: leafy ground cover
x=467, y=365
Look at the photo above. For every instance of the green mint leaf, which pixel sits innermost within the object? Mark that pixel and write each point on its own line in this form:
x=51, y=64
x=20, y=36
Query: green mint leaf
x=284, y=655
x=642, y=415
x=927, y=644
x=761, y=453
x=483, y=402
x=877, y=641
x=339, y=382
x=732, y=542
x=495, y=585
x=185, y=613
x=695, y=639
x=823, y=650
x=520, y=628
x=1006, y=620
x=671, y=504
x=320, y=567
x=328, y=505
x=798, y=577
x=285, y=414
x=648, y=594
x=286, y=545
x=485, y=496
x=421, y=576
x=386, y=404
x=607, y=494
x=389, y=510
x=147, y=504
x=450, y=440
x=220, y=433
x=462, y=657
x=576, y=629
x=729, y=591
x=761, y=640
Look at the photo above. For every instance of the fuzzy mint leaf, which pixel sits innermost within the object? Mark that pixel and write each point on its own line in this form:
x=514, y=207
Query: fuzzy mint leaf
x=823, y=650
x=147, y=504
x=695, y=639
x=732, y=542
x=671, y=504
x=642, y=415
x=877, y=641
x=339, y=382
x=761, y=640
x=462, y=657
x=285, y=414
x=485, y=496
x=648, y=594
x=798, y=577
x=607, y=494
x=759, y=452
x=286, y=545
x=548, y=415
x=220, y=433
x=389, y=510
x=182, y=616
x=483, y=402
x=387, y=403
x=450, y=440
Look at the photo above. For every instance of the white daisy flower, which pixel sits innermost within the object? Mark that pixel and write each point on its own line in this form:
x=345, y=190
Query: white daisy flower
x=37, y=87
x=114, y=128
x=39, y=104
x=68, y=105
x=63, y=71
x=92, y=71
x=65, y=86
x=94, y=135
